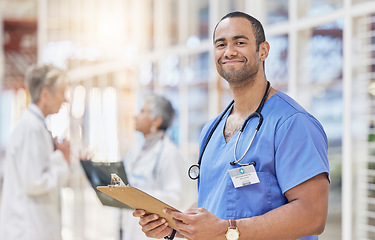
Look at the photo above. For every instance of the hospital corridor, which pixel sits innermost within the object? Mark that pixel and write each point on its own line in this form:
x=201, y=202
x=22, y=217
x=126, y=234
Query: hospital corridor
x=143, y=89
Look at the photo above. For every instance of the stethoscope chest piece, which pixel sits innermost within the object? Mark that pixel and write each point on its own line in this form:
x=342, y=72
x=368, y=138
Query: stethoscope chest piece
x=194, y=172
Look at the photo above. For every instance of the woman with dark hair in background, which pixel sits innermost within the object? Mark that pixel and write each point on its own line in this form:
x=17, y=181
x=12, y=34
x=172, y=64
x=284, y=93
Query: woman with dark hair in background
x=157, y=166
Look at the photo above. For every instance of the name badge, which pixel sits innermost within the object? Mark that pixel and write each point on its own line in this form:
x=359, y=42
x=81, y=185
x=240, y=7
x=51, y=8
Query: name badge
x=243, y=176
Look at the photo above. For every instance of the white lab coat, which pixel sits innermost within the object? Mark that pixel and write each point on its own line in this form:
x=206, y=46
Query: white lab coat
x=33, y=175
x=160, y=171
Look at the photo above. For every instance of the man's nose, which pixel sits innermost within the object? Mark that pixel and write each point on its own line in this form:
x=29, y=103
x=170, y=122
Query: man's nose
x=230, y=51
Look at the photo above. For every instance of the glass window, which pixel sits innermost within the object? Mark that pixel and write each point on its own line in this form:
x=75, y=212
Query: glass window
x=277, y=11
x=198, y=94
x=277, y=62
x=147, y=75
x=204, y=16
x=319, y=76
x=321, y=56
x=198, y=110
x=236, y=5
x=101, y=124
x=172, y=94
x=174, y=22
x=225, y=94
x=361, y=1
x=7, y=107
x=199, y=66
x=169, y=80
x=317, y=7
x=363, y=128
x=169, y=73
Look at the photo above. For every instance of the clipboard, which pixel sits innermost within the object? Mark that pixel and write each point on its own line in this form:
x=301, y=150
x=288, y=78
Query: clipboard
x=99, y=174
x=137, y=199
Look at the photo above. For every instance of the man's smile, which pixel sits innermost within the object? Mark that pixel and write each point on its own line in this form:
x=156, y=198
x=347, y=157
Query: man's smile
x=230, y=62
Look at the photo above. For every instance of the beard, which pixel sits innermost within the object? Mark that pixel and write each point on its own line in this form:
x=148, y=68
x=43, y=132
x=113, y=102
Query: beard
x=244, y=75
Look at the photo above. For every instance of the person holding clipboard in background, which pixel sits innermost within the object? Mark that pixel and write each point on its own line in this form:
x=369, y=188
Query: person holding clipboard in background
x=263, y=171
x=155, y=167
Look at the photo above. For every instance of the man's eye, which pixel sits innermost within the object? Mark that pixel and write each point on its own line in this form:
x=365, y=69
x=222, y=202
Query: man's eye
x=219, y=45
x=240, y=43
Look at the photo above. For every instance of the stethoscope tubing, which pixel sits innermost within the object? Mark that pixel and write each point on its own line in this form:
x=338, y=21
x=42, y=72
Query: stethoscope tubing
x=213, y=130
x=196, y=167
x=248, y=147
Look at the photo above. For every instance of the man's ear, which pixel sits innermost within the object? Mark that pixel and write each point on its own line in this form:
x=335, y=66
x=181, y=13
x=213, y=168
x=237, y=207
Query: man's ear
x=264, y=49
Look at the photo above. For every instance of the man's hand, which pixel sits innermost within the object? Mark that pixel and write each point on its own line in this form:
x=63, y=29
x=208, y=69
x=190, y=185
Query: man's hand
x=153, y=225
x=193, y=224
x=198, y=223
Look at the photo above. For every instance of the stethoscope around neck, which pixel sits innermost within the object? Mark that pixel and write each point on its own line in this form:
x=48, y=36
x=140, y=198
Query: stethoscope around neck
x=194, y=170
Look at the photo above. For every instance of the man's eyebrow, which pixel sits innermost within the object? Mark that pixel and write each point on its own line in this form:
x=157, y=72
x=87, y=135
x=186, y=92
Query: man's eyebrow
x=219, y=40
x=240, y=36
x=234, y=38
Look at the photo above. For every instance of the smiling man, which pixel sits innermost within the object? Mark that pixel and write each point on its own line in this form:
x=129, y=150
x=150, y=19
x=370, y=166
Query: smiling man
x=263, y=172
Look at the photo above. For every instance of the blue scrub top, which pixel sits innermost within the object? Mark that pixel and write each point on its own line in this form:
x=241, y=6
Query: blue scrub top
x=290, y=148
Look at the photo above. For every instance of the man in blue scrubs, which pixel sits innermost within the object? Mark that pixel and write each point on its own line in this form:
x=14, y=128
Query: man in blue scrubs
x=273, y=188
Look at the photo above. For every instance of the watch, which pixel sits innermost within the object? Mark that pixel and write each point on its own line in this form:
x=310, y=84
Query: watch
x=232, y=233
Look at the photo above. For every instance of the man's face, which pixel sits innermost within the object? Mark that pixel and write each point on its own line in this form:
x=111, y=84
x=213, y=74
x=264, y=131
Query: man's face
x=236, y=56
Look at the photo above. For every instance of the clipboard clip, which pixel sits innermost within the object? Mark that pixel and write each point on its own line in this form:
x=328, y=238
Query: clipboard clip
x=116, y=181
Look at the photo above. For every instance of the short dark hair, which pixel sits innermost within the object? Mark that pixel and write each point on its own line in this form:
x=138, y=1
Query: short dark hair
x=257, y=26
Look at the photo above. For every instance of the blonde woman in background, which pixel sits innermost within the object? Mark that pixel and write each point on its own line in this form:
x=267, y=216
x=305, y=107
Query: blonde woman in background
x=36, y=166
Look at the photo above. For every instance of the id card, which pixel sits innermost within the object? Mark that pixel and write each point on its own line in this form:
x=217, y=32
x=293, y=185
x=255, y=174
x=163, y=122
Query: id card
x=243, y=176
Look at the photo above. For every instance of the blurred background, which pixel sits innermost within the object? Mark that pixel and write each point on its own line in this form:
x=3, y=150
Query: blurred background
x=322, y=54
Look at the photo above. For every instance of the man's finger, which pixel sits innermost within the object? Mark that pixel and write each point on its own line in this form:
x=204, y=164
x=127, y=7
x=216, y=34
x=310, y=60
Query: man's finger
x=139, y=213
x=155, y=226
x=159, y=232
x=146, y=219
x=177, y=215
x=186, y=234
